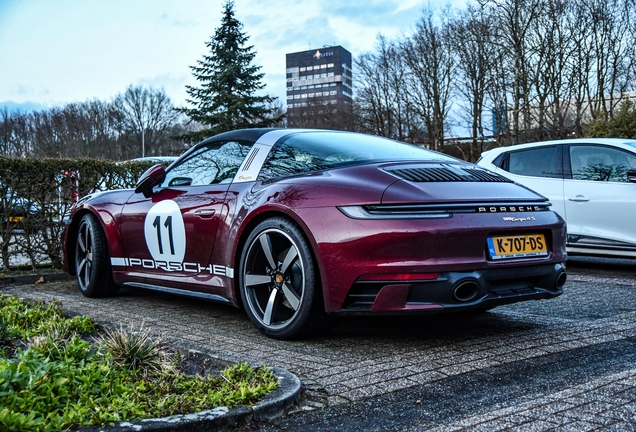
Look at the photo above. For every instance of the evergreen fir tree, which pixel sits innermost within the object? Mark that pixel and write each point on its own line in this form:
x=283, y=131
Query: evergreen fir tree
x=226, y=99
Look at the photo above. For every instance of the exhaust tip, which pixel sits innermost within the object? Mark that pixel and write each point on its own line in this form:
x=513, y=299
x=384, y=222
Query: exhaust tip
x=560, y=280
x=466, y=291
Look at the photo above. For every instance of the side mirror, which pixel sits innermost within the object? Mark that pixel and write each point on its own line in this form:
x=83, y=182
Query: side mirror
x=153, y=176
x=631, y=176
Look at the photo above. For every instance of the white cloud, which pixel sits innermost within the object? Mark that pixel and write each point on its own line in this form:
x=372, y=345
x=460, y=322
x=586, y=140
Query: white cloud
x=65, y=51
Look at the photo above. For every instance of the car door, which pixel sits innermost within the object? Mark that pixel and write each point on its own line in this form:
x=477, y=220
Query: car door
x=540, y=169
x=600, y=202
x=171, y=234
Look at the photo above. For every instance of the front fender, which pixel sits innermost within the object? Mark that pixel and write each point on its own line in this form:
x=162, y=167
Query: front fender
x=107, y=217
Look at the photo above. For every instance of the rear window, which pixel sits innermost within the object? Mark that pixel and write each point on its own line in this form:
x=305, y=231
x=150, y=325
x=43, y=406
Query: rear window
x=308, y=152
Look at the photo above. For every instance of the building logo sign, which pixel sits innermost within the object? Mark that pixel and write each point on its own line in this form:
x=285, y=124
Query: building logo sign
x=318, y=55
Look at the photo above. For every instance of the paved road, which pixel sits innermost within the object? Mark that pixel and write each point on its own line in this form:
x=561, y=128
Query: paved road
x=565, y=364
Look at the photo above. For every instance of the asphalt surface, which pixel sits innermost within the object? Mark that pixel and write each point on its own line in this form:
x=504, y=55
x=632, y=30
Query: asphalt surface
x=562, y=364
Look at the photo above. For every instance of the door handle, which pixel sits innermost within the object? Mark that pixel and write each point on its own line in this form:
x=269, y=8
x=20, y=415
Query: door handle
x=205, y=214
x=579, y=198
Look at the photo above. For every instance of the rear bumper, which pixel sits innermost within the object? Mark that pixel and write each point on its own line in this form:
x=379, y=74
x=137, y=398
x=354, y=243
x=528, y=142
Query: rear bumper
x=456, y=291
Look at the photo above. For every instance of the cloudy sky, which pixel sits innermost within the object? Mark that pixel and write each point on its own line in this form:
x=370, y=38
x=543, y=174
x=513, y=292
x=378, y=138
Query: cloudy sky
x=61, y=51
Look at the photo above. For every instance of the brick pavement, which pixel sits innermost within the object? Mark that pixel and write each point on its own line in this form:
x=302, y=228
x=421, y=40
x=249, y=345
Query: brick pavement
x=366, y=357
x=608, y=403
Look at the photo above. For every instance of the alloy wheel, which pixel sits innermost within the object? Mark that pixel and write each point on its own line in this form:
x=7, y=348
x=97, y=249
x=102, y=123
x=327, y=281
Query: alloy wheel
x=274, y=279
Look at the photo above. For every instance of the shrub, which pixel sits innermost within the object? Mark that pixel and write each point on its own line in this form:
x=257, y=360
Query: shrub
x=61, y=380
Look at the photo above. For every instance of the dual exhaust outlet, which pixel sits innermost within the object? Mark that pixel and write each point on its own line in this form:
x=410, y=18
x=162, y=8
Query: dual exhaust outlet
x=467, y=290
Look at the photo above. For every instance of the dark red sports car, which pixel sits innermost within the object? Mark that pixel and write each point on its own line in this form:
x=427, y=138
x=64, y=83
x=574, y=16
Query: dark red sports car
x=298, y=225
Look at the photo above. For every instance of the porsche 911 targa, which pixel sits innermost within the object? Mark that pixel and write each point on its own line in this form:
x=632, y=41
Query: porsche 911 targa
x=298, y=226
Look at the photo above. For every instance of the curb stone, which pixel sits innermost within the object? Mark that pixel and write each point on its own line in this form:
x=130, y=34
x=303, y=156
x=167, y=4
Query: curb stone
x=31, y=279
x=220, y=418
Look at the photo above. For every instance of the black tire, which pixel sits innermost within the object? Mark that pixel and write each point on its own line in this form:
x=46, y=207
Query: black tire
x=278, y=281
x=92, y=263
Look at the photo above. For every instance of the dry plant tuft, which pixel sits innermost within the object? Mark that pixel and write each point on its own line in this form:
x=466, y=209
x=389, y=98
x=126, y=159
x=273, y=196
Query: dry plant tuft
x=135, y=350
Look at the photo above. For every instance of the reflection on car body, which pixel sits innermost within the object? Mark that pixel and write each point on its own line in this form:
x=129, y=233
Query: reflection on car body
x=298, y=226
x=590, y=182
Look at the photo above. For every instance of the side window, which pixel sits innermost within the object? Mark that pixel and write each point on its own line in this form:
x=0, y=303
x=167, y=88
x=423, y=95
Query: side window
x=600, y=163
x=286, y=160
x=536, y=162
x=215, y=163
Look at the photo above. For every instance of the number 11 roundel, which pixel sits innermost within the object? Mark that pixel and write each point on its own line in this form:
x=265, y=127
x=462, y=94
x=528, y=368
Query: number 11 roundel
x=165, y=232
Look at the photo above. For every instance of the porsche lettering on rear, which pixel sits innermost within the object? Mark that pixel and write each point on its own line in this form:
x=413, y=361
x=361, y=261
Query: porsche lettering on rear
x=500, y=209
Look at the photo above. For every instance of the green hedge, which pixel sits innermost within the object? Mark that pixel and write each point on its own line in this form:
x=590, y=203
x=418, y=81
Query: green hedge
x=36, y=195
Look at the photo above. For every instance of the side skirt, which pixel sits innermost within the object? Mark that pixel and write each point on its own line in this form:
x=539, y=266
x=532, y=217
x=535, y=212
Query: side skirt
x=185, y=293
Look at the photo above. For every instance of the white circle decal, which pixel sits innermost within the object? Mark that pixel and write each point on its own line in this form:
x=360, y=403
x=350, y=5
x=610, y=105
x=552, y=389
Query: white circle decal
x=165, y=232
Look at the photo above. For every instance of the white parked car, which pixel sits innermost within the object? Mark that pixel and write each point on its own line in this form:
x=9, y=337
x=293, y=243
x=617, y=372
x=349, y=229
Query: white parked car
x=591, y=183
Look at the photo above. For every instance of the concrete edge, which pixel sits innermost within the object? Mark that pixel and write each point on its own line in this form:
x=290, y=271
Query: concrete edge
x=284, y=397
x=270, y=406
x=32, y=279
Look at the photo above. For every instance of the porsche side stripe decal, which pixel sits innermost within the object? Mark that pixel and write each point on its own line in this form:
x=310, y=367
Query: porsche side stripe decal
x=169, y=266
x=118, y=262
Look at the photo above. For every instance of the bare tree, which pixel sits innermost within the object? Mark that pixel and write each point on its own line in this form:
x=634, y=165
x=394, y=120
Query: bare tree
x=515, y=19
x=550, y=41
x=95, y=128
x=612, y=48
x=477, y=57
x=382, y=99
x=147, y=114
x=431, y=61
x=12, y=125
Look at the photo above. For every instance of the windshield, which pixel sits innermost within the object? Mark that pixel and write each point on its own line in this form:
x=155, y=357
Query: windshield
x=307, y=152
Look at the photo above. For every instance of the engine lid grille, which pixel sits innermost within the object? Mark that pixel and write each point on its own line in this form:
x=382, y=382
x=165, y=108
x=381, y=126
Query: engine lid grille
x=448, y=173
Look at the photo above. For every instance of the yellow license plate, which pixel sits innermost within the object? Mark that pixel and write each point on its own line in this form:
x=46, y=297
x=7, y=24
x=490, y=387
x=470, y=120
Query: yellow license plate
x=15, y=219
x=517, y=246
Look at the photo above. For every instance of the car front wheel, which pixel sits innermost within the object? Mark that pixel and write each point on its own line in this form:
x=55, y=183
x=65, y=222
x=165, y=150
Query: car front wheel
x=278, y=281
x=92, y=264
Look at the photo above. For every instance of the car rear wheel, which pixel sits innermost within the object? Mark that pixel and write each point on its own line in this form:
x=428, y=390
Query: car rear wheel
x=278, y=281
x=92, y=264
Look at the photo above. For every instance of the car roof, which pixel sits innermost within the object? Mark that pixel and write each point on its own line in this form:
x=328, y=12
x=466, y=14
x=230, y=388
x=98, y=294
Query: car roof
x=154, y=159
x=250, y=135
x=625, y=143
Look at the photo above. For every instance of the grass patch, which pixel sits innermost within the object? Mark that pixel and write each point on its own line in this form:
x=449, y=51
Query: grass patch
x=58, y=372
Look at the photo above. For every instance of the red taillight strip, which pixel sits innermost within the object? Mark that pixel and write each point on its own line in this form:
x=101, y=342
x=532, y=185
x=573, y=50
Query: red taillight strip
x=399, y=277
